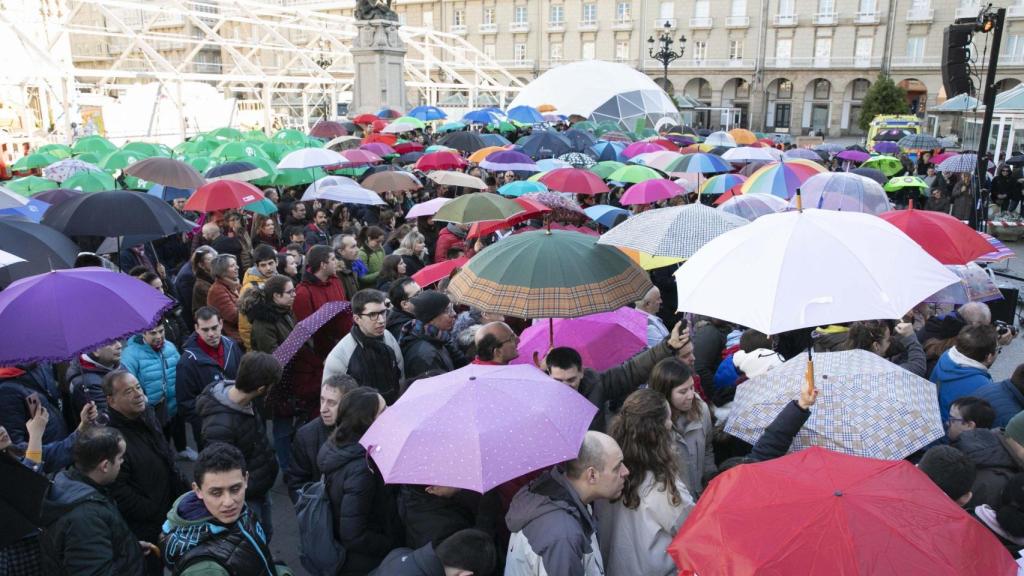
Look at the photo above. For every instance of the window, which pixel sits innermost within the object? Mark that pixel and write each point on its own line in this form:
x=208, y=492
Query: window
x=786, y=8
x=862, y=51
x=555, y=51
x=622, y=50
x=702, y=9
x=860, y=89
x=783, y=51
x=520, y=15
x=782, y=115
x=488, y=15
x=588, y=50
x=459, y=18
x=867, y=6
x=557, y=14
x=739, y=8
x=700, y=51
x=428, y=19
x=489, y=51
x=735, y=50
x=784, y=90
x=915, y=48
x=590, y=12
x=822, y=51
x=822, y=88
x=519, y=52
x=1013, y=48
x=667, y=11
x=826, y=6
x=742, y=90
x=623, y=12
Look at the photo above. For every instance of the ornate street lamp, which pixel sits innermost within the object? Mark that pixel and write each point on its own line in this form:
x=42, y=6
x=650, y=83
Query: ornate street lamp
x=665, y=54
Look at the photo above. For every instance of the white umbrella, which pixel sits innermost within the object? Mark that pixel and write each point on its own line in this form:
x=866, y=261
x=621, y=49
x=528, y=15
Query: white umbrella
x=451, y=178
x=720, y=139
x=748, y=154
x=6, y=259
x=398, y=128
x=341, y=189
x=678, y=231
x=813, y=268
x=311, y=158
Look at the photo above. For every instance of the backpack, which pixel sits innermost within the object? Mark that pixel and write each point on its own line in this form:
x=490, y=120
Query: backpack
x=319, y=551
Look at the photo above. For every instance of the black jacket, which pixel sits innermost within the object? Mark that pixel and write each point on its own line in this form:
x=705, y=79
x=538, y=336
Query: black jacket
x=610, y=388
x=408, y=562
x=396, y=319
x=994, y=462
x=84, y=532
x=149, y=480
x=243, y=428
x=431, y=519
x=305, y=448
x=708, y=342
x=364, y=508
x=423, y=353
x=15, y=386
x=84, y=380
x=184, y=281
x=778, y=436
x=196, y=371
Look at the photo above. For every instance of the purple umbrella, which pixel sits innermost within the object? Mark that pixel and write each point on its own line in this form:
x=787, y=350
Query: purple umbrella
x=509, y=160
x=853, y=156
x=56, y=196
x=887, y=147
x=305, y=329
x=603, y=340
x=55, y=316
x=478, y=427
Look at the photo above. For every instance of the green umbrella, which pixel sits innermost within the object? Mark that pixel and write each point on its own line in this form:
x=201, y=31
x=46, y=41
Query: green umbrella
x=353, y=171
x=297, y=176
x=239, y=151
x=291, y=137
x=504, y=127
x=901, y=182
x=90, y=157
x=143, y=149
x=267, y=166
x=888, y=165
x=478, y=207
x=410, y=120
x=256, y=135
x=119, y=159
x=94, y=144
x=196, y=148
x=536, y=177
x=200, y=163
x=226, y=133
x=586, y=126
x=275, y=149
x=29, y=185
x=606, y=168
x=633, y=174
x=604, y=127
x=644, y=133
x=33, y=161
x=164, y=150
x=549, y=274
x=90, y=182
x=133, y=183
x=59, y=151
x=262, y=207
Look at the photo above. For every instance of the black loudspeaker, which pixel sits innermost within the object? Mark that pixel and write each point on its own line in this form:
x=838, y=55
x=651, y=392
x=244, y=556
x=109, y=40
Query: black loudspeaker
x=956, y=74
x=1006, y=308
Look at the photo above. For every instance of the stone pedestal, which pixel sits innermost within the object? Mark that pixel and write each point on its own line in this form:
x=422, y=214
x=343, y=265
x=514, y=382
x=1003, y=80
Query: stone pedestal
x=378, y=57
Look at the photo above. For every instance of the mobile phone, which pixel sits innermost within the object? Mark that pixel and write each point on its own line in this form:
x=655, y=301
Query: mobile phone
x=32, y=403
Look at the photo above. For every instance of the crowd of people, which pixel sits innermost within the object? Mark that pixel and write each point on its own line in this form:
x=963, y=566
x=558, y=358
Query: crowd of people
x=115, y=427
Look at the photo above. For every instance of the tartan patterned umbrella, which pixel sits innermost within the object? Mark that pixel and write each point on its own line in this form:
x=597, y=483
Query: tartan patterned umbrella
x=678, y=231
x=549, y=274
x=919, y=142
x=967, y=163
x=867, y=406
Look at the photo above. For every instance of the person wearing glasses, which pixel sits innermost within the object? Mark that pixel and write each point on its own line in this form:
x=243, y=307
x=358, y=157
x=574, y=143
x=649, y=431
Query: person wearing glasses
x=369, y=353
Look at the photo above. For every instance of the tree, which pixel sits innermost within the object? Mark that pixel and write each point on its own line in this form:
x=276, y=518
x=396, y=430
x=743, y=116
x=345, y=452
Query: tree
x=884, y=97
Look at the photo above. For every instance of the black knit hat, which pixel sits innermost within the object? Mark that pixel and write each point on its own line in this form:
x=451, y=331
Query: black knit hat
x=429, y=304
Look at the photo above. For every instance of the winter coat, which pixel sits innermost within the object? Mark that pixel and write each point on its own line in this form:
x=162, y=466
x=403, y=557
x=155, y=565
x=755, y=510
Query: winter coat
x=149, y=480
x=243, y=428
x=447, y=240
x=553, y=532
x=778, y=436
x=608, y=388
x=994, y=461
x=408, y=562
x=940, y=204
x=830, y=338
x=316, y=235
x=184, y=282
x=310, y=295
x=348, y=277
x=156, y=371
x=83, y=531
x=962, y=200
x=1004, y=397
x=957, y=376
x=338, y=360
x=413, y=264
x=912, y=357
x=224, y=297
x=85, y=377
x=694, y=449
x=396, y=319
x=252, y=279
x=16, y=385
x=298, y=392
x=374, y=262
x=708, y=342
x=1005, y=190
x=428, y=518
x=197, y=370
x=423, y=352
x=270, y=325
x=200, y=290
x=364, y=508
x=309, y=438
x=633, y=542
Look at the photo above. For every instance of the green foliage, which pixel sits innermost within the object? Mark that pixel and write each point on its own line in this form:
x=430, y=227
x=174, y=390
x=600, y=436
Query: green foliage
x=884, y=97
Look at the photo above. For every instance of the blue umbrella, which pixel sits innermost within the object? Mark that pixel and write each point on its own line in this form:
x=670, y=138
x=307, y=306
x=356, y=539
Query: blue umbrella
x=451, y=126
x=520, y=187
x=495, y=140
x=545, y=144
x=481, y=117
x=579, y=139
x=33, y=211
x=168, y=193
x=604, y=214
x=603, y=150
x=427, y=113
x=526, y=115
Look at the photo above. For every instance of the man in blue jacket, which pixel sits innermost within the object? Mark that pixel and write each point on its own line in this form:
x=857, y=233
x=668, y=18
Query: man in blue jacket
x=963, y=369
x=1006, y=397
x=208, y=357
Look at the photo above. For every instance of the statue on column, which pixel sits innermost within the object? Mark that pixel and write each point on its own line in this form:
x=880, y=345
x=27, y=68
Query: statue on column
x=375, y=10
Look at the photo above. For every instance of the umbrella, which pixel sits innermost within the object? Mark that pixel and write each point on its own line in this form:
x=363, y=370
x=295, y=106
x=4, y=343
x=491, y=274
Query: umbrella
x=32, y=210
x=999, y=252
x=291, y=137
x=637, y=148
x=975, y=285
x=481, y=117
x=605, y=215
x=549, y=274
x=886, y=147
x=634, y=174
x=428, y=208
x=940, y=157
x=604, y=340
x=120, y=159
x=782, y=179
x=892, y=135
x=93, y=144
x=343, y=142
x=556, y=201
x=327, y=130
x=855, y=156
x=574, y=180
x=947, y=239
x=311, y=158
x=580, y=141
x=226, y=133
x=406, y=147
x=449, y=178
x=56, y=196
x=59, y=151
x=379, y=148
x=223, y=195
x=495, y=140
x=901, y=182
x=607, y=150
x=844, y=191
x=577, y=160
x=720, y=139
x=721, y=184
x=479, y=156
x=699, y=163
x=435, y=272
x=508, y=160
x=888, y=165
x=659, y=160
x=243, y=171
x=392, y=181
x=477, y=207
x=451, y=127
x=11, y=199
x=42, y=248
x=545, y=144
x=166, y=171
x=28, y=185
x=744, y=154
x=801, y=153
x=427, y=113
x=467, y=142
x=606, y=168
x=513, y=420
x=365, y=119
x=62, y=170
x=116, y=213
x=525, y=115
x=919, y=142
x=409, y=158
x=872, y=174
x=55, y=316
x=549, y=164
x=753, y=206
x=305, y=328
x=388, y=113
x=742, y=136
x=905, y=417
x=399, y=128
x=831, y=148
x=808, y=260
x=33, y=161
x=520, y=187
x=341, y=189
x=821, y=513
x=678, y=231
x=650, y=191
x=296, y=177
x=359, y=157
x=961, y=163
x=443, y=160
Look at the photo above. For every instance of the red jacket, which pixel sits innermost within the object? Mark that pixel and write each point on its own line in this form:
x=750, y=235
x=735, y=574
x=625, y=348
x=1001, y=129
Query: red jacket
x=310, y=295
x=447, y=240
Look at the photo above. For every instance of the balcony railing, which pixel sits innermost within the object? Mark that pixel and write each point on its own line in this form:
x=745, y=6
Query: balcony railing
x=660, y=23
x=920, y=15
x=588, y=25
x=826, y=19
x=786, y=20
x=491, y=28
x=819, y=61
x=519, y=27
x=737, y=22
x=1016, y=11
x=517, y=63
x=556, y=25
x=704, y=63
x=914, y=62
x=701, y=22
x=866, y=18
x=459, y=29
x=622, y=24
x=968, y=11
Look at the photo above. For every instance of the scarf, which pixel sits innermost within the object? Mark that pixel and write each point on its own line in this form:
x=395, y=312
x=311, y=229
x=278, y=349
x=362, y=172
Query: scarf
x=459, y=233
x=418, y=328
x=373, y=363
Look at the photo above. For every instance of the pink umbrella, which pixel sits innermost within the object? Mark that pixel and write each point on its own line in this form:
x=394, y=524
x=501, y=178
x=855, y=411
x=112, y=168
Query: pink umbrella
x=575, y=180
x=641, y=147
x=305, y=329
x=603, y=340
x=651, y=191
x=478, y=427
x=428, y=208
x=357, y=157
x=378, y=148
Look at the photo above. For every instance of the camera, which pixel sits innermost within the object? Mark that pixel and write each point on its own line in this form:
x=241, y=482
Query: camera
x=1003, y=328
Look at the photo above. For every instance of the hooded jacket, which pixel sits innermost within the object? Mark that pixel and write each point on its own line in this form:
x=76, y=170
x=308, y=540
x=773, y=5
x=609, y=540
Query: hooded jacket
x=956, y=376
x=270, y=325
x=250, y=280
x=408, y=562
x=156, y=371
x=451, y=237
x=553, y=532
x=85, y=376
x=84, y=532
x=423, y=352
x=197, y=370
x=374, y=261
x=994, y=461
x=245, y=429
x=1005, y=398
x=693, y=444
x=396, y=319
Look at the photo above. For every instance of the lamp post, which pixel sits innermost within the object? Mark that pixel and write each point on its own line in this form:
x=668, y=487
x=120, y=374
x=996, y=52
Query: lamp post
x=324, y=61
x=664, y=53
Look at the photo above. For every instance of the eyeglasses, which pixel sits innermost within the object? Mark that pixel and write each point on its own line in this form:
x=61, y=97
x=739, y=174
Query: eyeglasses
x=952, y=420
x=512, y=338
x=376, y=316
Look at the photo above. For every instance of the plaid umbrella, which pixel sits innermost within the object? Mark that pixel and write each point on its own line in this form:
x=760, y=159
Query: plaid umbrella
x=967, y=163
x=678, y=231
x=549, y=274
x=305, y=329
x=867, y=406
x=919, y=142
x=578, y=160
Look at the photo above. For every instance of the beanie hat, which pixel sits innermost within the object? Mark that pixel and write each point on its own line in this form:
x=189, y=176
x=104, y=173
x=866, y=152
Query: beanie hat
x=429, y=304
x=756, y=362
x=1015, y=428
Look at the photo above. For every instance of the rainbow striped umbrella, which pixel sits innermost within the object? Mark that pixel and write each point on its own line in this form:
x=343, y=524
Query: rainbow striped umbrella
x=781, y=178
x=698, y=163
x=722, y=183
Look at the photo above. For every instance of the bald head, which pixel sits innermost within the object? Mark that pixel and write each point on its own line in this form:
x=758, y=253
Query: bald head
x=497, y=342
x=651, y=302
x=976, y=313
x=592, y=454
x=211, y=231
x=597, y=472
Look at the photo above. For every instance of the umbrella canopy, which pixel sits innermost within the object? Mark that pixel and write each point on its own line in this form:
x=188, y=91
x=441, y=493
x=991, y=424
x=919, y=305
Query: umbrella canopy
x=55, y=316
x=351, y=158
x=168, y=193
x=720, y=139
x=844, y=191
x=549, y=164
x=478, y=156
x=606, y=168
x=399, y=127
x=378, y=148
x=961, y=163
x=477, y=207
x=327, y=130
x=42, y=248
x=999, y=250
x=243, y=171
x=61, y=151
x=975, y=285
x=449, y=178
x=520, y=187
x=11, y=199
x=392, y=181
x=545, y=144
x=574, y=180
x=428, y=208
x=305, y=328
x=603, y=340
x=744, y=154
x=651, y=191
x=513, y=420
x=549, y=274
x=311, y=158
x=56, y=196
x=607, y=150
x=28, y=185
x=33, y=161
x=223, y=195
x=427, y=113
x=753, y=206
x=634, y=174
x=433, y=273
x=116, y=213
x=443, y=160
x=721, y=184
x=888, y=165
x=947, y=239
x=508, y=160
x=642, y=147
x=483, y=116
x=781, y=178
x=742, y=136
x=699, y=163
x=605, y=215
x=901, y=182
x=341, y=189
x=65, y=169
x=166, y=171
x=94, y=145
x=919, y=142
x=842, y=515
x=855, y=156
x=580, y=140
x=525, y=115
x=807, y=259
x=886, y=147
x=577, y=160
x=31, y=210
x=871, y=173
x=467, y=142
x=495, y=140
x=678, y=231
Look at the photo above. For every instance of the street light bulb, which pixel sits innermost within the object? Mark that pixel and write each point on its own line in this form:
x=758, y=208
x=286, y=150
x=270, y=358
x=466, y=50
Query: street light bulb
x=668, y=25
x=650, y=40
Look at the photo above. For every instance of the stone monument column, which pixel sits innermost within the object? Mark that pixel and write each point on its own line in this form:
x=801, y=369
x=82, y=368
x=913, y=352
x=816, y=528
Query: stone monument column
x=378, y=57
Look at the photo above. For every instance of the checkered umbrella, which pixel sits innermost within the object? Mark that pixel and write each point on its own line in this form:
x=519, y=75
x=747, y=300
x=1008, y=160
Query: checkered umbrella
x=966, y=163
x=919, y=142
x=867, y=406
x=578, y=160
x=678, y=231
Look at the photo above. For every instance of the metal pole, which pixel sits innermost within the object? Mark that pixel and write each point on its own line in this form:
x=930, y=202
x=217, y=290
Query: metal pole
x=979, y=207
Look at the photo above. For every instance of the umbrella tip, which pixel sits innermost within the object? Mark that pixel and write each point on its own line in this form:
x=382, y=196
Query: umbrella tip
x=838, y=492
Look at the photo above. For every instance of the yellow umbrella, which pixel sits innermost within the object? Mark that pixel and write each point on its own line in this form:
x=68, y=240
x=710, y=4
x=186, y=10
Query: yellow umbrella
x=479, y=155
x=742, y=136
x=648, y=261
x=546, y=108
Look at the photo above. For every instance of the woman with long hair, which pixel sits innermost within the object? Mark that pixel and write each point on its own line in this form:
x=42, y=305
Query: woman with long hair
x=391, y=268
x=635, y=529
x=877, y=336
x=413, y=251
x=269, y=309
x=202, y=268
x=267, y=233
x=691, y=422
x=371, y=252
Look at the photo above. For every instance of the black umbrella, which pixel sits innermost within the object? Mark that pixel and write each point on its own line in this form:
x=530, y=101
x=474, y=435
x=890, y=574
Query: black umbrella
x=21, y=501
x=703, y=131
x=56, y=196
x=579, y=139
x=467, y=142
x=857, y=147
x=719, y=150
x=115, y=213
x=495, y=140
x=409, y=158
x=875, y=175
x=545, y=144
x=43, y=248
x=240, y=170
x=1013, y=161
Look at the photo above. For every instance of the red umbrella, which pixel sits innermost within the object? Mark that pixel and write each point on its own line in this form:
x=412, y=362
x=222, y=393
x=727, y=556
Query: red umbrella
x=360, y=157
x=442, y=160
x=363, y=119
x=378, y=125
x=731, y=193
x=223, y=195
x=532, y=207
x=388, y=139
x=327, y=130
x=378, y=148
x=406, y=147
x=666, y=144
x=818, y=513
x=435, y=272
x=949, y=240
x=938, y=158
x=575, y=180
